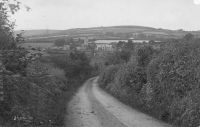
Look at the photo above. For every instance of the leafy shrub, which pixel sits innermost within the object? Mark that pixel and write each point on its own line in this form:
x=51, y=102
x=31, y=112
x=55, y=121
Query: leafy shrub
x=165, y=85
x=49, y=103
x=186, y=111
x=26, y=100
x=144, y=55
x=130, y=79
x=117, y=57
x=60, y=42
x=125, y=81
x=7, y=40
x=75, y=64
x=15, y=61
x=173, y=75
x=107, y=76
x=33, y=100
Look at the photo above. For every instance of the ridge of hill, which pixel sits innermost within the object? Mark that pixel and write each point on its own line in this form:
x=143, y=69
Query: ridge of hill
x=39, y=32
x=110, y=31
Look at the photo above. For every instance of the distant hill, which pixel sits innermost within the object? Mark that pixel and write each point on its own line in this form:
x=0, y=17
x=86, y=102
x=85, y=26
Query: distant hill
x=117, y=32
x=128, y=29
x=32, y=33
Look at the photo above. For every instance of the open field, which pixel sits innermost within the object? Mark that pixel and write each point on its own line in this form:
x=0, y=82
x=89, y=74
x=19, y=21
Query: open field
x=37, y=45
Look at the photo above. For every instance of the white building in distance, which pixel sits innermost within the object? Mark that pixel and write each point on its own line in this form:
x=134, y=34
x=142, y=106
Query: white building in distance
x=104, y=47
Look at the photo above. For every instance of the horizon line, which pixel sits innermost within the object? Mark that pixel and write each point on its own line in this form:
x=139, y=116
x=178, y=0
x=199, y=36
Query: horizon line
x=107, y=26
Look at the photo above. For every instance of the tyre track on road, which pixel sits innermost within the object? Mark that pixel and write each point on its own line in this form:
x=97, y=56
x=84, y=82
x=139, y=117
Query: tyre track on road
x=93, y=107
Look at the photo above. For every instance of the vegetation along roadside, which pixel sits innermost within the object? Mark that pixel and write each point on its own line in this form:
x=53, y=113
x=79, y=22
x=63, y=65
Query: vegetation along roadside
x=161, y=82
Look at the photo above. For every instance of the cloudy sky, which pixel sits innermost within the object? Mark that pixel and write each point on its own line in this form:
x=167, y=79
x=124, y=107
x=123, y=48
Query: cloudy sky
x=65, y=14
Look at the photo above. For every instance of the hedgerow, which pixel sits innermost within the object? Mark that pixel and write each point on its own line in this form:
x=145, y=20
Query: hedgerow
x=164, y=84
x=108, y=75
x=173, y=76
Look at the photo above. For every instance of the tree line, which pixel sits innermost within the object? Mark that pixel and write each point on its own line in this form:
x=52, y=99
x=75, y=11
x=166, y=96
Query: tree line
x=161, y=82
x=29, y=94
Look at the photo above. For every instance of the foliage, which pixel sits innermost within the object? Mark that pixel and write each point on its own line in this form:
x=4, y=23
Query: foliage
x=15, y=61
x=27, y=99
x=126, y=79
x=123, y=81
x=35, y=100
x=7, y=7
x=188, y=37
x=75, y=64
x=144, y=55
x=129, y=46
x=165, y=85
x=60, y=42
x=108, y=75
x=92, y=47
x=117, y=57
x=173, y=75
x=120, y=45
x=185, y=112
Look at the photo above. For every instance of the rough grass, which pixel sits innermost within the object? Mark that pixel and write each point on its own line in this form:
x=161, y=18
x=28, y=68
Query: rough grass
x=37, y=45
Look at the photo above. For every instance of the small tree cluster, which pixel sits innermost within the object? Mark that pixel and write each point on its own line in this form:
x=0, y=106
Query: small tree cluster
x=75, y=64
x=165, y=84
x=60, y=42
x=7, y=7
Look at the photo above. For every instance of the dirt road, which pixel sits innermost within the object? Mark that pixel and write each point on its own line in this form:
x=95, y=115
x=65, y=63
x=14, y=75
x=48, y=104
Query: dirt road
x=92, y=107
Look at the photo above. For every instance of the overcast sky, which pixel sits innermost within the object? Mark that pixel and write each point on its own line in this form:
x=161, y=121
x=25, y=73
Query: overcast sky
x=65, y=14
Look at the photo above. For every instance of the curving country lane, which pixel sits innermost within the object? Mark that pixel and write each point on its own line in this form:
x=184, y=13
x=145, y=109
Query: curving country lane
x=93, y=107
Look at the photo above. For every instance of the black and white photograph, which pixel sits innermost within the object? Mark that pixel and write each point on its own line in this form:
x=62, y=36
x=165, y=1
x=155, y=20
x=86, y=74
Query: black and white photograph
x=99, y=63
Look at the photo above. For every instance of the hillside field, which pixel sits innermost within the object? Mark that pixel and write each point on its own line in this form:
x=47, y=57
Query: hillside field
x=37, y=45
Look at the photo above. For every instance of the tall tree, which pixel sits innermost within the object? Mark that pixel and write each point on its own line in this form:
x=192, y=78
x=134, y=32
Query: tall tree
x=60, y=42
x=7, y=8
x=188, y=37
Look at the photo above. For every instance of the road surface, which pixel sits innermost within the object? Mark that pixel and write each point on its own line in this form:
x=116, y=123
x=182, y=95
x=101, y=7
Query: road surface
x=92, y=107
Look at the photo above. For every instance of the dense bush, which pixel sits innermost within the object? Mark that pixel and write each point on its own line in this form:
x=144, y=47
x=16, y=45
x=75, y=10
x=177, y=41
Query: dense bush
x=130, y=75
x=60, y=42
x=115, y=58
x=165, y=85
x=29, y=96
x=127, y=82
x=7, y=8
x=15, y=61
x=36, y=99
x=75, y=64
x=185, y=112
x=144, y=55
x=172, y=76
x=108, y=75
x=76, y=69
